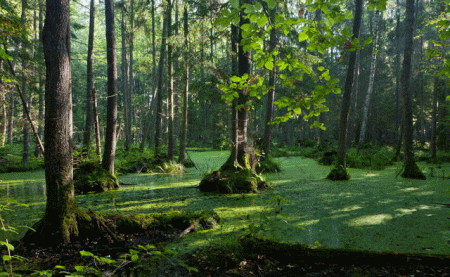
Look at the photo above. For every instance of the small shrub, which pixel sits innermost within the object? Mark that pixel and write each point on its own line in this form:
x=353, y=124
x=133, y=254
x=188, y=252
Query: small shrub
x=91, y=177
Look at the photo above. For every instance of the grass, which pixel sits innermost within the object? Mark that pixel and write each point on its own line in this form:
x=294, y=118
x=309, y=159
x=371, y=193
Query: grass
x=373, y=211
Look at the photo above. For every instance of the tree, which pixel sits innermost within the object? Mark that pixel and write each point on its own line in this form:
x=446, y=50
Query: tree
x=411, y=170
x=170, y=96
x=339, y=172
x=111, y=116
x=24, y=46
x=184, y=117
x=89, y=82
x=373, y=65
x=61, y=213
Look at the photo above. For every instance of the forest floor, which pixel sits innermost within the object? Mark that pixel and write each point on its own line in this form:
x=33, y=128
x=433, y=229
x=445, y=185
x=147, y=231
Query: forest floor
x=374, y=211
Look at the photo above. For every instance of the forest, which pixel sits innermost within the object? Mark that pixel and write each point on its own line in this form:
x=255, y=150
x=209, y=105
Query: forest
x=224, y=138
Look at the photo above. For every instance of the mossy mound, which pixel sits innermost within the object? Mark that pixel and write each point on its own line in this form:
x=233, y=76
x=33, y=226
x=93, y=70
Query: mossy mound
x=173, y=219
x=147, y=164
x=412, y=171
x=339, y=173
x=234, y=180
x=91, y=177
x=266, y=165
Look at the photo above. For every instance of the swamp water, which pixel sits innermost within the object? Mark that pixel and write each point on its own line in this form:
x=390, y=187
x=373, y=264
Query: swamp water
x=374, y=210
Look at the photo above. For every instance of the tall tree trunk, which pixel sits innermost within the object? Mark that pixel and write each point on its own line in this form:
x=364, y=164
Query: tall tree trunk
x=59, y=221
x=242, y=112
x=397, y=77
x=89, y=82
x=125, y=81
x=96, y=125
x=411, y=170
x=373, y=66
x=11, y=113
x=234, y=72
x=159, y=94
x=37, y=151
x=24, y=46
x=271, y=93
x=111, y=112
x=130, y=93
x=433, y=144
x=4, y=120
x=340, y=171
x=184, y=117
x=146, y=127
x=170, y=97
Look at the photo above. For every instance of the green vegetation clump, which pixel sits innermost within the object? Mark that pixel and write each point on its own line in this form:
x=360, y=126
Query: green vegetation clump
x=178, y=219
x=11, y=161
x=339, y=173
x=267, y=165
x=91, y=177
x=232, y=181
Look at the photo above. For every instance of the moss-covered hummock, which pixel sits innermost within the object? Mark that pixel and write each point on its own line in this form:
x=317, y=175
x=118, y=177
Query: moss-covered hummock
x=267, y=165
x=173, y=219
x=339, y=173
x=235, y=180
x=412, y=171
x=91, y=177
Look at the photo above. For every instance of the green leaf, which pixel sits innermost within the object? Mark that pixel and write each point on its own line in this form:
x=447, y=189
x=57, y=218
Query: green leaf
x=79, y=268
x=271, y=4
x=262, y=21
x=190, y=268
x=368, y=41
x=235, y=79
x=134, y=258
x=269, y=65
x=86, y=254
x=234, y=4
x=302, y=36
x=6, y=258
x=447, y=98
x=245, y=27
x=297, y=110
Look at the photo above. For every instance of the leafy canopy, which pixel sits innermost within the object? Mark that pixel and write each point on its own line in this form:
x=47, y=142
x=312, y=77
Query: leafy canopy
x=317, y=35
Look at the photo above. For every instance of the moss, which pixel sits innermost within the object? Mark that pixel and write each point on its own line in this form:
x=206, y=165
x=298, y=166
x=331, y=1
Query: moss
x=267, y=165
x=339, y=173
x=91, y=177
x=232, y=181
x=412, y=171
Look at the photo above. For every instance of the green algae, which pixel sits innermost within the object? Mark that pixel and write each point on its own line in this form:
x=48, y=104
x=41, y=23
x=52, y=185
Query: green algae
x=373, y=211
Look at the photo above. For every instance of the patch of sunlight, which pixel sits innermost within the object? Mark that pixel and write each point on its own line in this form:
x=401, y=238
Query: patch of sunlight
x=347, y=209
x=308, y=222
x=371, y=174
x=405, y=211
x=408, y=189
x=385, y=201
x=349, y=194
x=426, y=207
x=369, y=220
x=425, y=193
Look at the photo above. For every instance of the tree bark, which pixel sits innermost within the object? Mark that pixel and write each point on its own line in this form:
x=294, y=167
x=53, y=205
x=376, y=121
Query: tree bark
x=59, y=222
x=373, y=66
x=184, y=117
x=170, y=98
x=242, y=112
x=89, y=82
x=24, y=46
x=234, y=71
x=96, y=125
x=4, y=120
x=159, y=93
x=40, y=131
x=125, y=81
x=411, y=170
x=271, y=93
x=340, y=167
x=111, y=113
x=433, y=144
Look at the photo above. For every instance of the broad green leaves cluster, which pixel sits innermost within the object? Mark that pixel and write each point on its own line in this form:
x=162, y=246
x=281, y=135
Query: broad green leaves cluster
x=440, y=49
x=316, y=35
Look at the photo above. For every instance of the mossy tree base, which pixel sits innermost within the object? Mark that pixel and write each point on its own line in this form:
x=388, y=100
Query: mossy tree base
x=267, y=165
x=235, y=180
x=91, y=177
x=412, y=171
x=339, y=173
x=50, y=231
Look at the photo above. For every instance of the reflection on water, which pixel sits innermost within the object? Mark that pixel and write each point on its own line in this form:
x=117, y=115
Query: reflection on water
x=31, y=193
